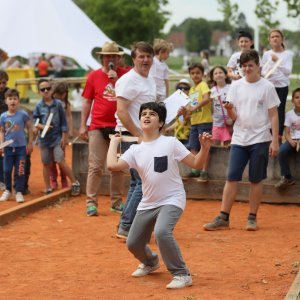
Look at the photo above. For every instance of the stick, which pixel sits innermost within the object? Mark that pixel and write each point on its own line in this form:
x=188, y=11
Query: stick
x=298, y=146
x=126, y=138
x=6, y=143
x=47, y=125
x=276, y=65
x=37, y=121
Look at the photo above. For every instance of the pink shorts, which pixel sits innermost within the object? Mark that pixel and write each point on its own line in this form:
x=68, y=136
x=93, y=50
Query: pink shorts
x=221, y=134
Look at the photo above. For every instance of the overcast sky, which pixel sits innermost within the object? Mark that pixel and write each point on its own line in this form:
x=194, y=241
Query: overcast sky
x=208, y=9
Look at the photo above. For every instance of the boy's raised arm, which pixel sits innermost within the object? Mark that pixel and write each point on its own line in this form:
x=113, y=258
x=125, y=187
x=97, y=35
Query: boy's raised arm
x=197, y=161
x=113, y=164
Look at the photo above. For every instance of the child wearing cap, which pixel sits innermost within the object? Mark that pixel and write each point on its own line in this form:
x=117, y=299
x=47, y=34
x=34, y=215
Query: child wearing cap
x=245, y=42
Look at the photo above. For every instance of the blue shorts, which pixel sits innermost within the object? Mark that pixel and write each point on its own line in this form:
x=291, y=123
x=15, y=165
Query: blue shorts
x=258, y=157
x=197, y=129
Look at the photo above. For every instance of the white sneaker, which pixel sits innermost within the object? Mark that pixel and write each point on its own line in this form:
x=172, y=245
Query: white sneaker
x=180, y=282
x=144, y=270
x=19, y=197
x=5, y=196
x=2, y=186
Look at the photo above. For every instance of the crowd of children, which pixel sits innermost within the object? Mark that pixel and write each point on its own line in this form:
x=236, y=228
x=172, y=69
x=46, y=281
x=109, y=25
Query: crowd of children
x=214, y=105
x=52, y=122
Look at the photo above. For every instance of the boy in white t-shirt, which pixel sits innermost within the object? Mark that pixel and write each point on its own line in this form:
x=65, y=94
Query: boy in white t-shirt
x=159, y=69
x=292, y=143
x=252, y=104
x=156, y=160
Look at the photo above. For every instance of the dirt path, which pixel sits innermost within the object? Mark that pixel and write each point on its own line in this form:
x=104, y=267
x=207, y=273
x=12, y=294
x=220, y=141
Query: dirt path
x=59, y=253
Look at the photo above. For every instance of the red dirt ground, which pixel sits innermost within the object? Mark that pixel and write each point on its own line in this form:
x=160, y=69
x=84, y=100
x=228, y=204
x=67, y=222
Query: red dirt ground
x=59, y=253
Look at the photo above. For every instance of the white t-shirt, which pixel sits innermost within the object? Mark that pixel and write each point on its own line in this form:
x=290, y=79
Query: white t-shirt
x=252, y=102
x=137, y=89
x=280, y=77
x=160, y=72
x=157, y=164
x=234, y=63
x=293, y=122
x=218, y=118
x=77, y=99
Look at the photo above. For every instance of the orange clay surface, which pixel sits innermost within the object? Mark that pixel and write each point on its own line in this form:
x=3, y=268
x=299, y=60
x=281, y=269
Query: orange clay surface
x=60, y=253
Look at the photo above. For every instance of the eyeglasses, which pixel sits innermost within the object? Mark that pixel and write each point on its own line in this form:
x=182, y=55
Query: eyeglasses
x=45, y=89
x=183, y=88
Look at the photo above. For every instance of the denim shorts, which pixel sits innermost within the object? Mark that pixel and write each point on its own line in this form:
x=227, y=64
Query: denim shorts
x=197, y=129
x=51, y=154
x=257, y=155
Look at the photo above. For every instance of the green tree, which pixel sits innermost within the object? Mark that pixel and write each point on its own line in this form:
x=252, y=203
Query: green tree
x=230, y=13
x=198, y=34
x=293, y=7
x=264, y=11
x=127, y=21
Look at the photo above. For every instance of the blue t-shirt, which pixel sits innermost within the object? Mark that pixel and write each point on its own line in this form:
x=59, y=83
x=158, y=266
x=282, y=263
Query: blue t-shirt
x=14, y=126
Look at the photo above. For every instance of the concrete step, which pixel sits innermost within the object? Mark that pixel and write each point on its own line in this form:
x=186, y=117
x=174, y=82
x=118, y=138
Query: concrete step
x=217, y=173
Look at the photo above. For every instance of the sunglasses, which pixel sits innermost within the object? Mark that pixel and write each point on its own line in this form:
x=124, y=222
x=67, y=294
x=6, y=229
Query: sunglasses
x=183, y=88
x=45, y=89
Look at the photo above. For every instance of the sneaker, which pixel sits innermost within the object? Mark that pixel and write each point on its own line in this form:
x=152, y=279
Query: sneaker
x=75, y=189
x=53, y=183
x=64, y=183
x=2, y=186
x=48, y=191
x=180, y=282
x=118, y=209
x=217, y=224
x=144, y=270
x=193, y=174
x=251, y=225
x=203, y=176
x=92, y=210
x=19, y=197
x=5, y=196
x=122, y=234
x=284, y=182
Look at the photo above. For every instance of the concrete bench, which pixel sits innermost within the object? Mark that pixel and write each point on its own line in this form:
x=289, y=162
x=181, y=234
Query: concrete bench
x=217, y=173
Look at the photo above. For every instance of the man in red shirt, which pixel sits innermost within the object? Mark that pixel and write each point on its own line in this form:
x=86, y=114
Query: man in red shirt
x=99, y=111
x=43, y=66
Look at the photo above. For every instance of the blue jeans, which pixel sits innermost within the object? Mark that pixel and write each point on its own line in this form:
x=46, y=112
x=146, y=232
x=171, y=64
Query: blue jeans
x=133, y=199
x=282, y=95
x=134, y=196
x=285, y=152
x=14, y=157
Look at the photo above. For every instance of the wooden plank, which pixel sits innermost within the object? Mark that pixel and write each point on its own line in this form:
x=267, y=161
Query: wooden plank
x=70, y=80
x=294, y=291
x=26, y=208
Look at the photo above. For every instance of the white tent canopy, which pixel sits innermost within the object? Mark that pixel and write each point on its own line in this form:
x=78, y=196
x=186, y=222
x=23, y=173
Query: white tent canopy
x=49, y=26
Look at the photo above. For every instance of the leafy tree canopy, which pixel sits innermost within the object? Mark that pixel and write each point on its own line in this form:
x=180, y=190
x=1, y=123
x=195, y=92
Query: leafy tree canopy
x=127, y=21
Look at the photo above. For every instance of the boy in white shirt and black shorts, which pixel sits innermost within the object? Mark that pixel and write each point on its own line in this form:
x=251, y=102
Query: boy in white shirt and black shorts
x=252, y=104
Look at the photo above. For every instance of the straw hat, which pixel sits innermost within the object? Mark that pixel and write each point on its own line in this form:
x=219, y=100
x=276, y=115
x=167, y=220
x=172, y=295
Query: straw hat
x=110, y=48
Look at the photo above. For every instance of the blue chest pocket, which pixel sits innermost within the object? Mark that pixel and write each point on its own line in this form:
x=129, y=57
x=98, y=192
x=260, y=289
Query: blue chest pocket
x=160, y=164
